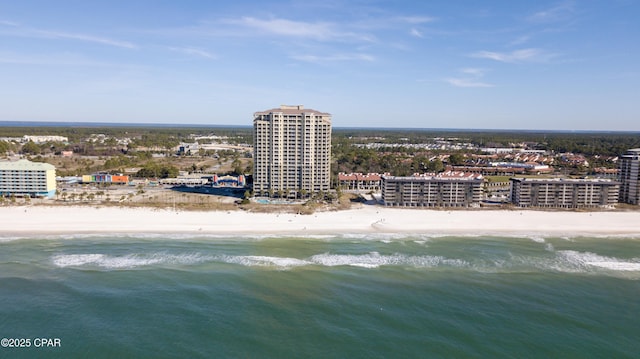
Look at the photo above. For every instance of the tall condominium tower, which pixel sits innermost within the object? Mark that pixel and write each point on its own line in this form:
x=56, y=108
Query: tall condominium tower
x=292, y=151
x=630, y=176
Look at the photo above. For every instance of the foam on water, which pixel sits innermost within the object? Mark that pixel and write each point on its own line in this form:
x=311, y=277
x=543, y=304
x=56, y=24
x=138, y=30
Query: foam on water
x=265, y=261
x=76, y=260
x=124, y=262
x=586, y=259
x=375, y=260
x=370, y=260
x=537, y=239
x=6, y=239
x=618, y=266
x=565, y=261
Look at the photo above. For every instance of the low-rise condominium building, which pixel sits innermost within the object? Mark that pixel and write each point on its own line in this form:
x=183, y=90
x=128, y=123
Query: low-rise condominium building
x=359, y=182
x=564, y=193
x=447, y=189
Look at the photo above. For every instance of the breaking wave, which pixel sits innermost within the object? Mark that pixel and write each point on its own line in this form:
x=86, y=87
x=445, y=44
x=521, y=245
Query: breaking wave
x=265, y=261
x=587, y=260
x=124, y=262
x=564, y=261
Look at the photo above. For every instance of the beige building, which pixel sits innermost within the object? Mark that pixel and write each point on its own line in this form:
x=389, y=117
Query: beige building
x=25, y=178
x=564, y=193
x=292, y=151
x=359, y=182
x=447, y=189
x=629, y=176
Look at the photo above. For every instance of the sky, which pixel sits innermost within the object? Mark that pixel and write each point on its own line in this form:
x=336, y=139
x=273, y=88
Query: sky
x=547, y=65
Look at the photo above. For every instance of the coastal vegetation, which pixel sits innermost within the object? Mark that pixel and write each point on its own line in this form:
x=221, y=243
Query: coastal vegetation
x=154, y=153
x=396, y=151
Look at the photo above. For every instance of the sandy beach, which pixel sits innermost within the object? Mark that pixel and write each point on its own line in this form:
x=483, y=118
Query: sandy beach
x=17, y=221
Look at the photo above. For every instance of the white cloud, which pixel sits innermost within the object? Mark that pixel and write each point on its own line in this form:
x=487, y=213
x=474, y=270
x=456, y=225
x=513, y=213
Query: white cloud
x=17, y=30
x=334, y=58
x=520, y=40
x=82, y=37
x=50, y=59
x=462, y=82
x=416, y=19
x=558, y=12
x=523, y=55
x=415, y=32
x=194, y=52
x=471, y=78
x=8, y=23
x=322, y=31
x=473, y=71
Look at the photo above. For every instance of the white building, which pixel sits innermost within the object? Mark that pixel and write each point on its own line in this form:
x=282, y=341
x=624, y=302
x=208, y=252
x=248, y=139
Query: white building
x=629, y=176
x=292, y=151
x=25, y=178
x=447, y=189
x=564, y=193
x=44, y=139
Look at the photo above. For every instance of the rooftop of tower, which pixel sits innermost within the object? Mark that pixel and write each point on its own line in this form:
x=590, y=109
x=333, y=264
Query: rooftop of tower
x=292, y=110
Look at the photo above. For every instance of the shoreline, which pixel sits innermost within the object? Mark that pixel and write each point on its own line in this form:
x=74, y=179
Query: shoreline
x=69, y=220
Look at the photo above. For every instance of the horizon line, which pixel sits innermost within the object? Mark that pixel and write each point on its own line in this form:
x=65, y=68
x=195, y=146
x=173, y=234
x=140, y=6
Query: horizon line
x=342, y=128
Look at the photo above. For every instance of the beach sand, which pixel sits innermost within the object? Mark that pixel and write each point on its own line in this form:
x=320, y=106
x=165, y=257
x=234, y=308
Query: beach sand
x=31, y=220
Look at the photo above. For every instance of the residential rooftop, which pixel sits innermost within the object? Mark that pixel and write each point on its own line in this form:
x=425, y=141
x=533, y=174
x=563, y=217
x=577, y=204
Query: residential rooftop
x=291, y=110
x=25, y=165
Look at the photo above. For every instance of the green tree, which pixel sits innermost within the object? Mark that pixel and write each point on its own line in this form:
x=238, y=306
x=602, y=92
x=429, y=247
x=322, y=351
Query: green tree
x=435, y=166
x=31, y=148
x=5, y=147
x=456, y=159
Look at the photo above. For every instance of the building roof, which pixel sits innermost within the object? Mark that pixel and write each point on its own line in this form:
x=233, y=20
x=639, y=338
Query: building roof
x=359, y=177
x=25, y=165
x=564, y=180
x=291, y=110
x=448, y=176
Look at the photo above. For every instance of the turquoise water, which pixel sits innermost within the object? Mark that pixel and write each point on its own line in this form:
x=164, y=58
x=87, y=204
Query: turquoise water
x=324, y=296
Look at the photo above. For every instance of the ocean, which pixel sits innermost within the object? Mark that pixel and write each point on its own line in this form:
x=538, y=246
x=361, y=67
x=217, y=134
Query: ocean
x=355, y=296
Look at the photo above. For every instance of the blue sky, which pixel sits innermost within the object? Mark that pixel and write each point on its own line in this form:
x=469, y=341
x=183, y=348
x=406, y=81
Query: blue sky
x=557, y=65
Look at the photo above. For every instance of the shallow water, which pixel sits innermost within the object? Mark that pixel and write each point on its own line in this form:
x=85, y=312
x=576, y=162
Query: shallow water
x=321, y=296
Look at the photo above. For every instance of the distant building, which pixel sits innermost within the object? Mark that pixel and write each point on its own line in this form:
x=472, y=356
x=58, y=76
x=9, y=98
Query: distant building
x=44, y=139
x=504, y=169
x=629, y=165
x=186, y=180
x=489, y=170
x=610, y=173
x=292, y=151
x=228, y=181
x=447, y=189
x=105, y=178
x=25, y=178
x=188, y=149
x=498, y=150
x=564, y=193
x=358, y=182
